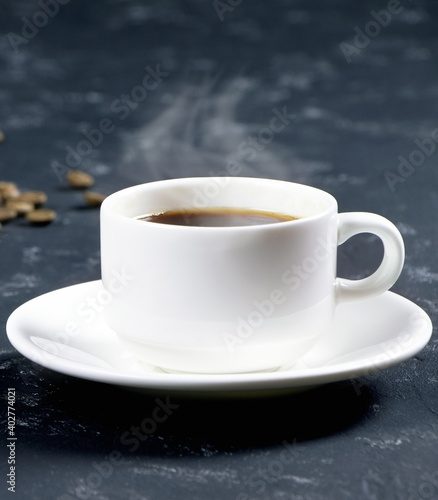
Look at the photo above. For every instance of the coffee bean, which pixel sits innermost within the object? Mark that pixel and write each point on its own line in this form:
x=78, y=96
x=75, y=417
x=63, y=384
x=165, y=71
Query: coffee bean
x=14, y=203
x=9, y=190
x=79, y=180
x=5, y=185
x=7, y=214
x=93, y=198
x=41, y=216
x=34, y=197
x=21, y=207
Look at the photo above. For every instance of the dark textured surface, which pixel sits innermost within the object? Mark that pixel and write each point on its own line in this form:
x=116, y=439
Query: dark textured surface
x=351, y=112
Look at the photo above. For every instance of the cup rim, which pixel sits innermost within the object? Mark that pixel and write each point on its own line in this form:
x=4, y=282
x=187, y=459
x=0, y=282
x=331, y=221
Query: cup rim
x=108, y=205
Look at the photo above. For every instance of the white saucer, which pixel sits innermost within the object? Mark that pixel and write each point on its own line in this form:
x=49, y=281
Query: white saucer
x=64, y=330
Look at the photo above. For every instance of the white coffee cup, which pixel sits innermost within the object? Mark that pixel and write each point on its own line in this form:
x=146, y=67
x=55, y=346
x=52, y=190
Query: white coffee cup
x=231, y=299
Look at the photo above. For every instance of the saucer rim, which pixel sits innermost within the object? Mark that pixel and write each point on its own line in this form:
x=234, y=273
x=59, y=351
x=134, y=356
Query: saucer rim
x=288, y=378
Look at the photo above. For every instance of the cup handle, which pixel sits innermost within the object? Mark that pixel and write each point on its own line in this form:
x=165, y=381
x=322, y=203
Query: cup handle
x=386, y=275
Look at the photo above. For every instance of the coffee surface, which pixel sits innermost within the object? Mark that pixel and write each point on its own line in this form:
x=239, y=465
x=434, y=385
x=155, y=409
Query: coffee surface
x=217, y=217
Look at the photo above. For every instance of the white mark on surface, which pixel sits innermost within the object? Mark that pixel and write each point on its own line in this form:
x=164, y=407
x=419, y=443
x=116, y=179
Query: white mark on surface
x=202, y=475
x=298, y=17
x=18, y=282
x=31, y=255
x=352, y=180
x=302, y=480
x=384, y=443
x=412, y=16
x=406, y=229
x=421, y=274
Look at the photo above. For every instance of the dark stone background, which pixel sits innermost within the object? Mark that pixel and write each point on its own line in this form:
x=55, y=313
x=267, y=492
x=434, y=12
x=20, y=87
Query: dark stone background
x=356, y=105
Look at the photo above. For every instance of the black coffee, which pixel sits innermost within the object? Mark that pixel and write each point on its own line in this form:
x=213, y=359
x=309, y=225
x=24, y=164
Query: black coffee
x=217, y=217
